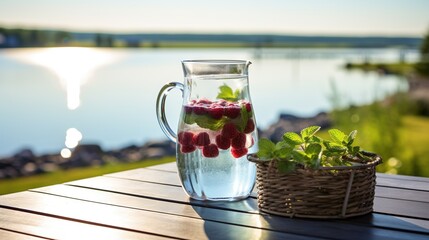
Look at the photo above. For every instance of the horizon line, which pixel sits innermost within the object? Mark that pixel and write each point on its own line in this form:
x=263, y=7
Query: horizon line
x=135, y=32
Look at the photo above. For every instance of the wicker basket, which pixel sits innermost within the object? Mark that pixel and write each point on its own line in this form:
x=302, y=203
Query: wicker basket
x=329, y=192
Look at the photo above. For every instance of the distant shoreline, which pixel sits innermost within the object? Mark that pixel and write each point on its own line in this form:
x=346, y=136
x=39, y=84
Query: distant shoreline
x=15, y=37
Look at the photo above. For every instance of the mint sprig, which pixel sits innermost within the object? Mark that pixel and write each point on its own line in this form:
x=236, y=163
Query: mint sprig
x=226, y=93
x=244, y=117
x=310, y=151
x=205, y=121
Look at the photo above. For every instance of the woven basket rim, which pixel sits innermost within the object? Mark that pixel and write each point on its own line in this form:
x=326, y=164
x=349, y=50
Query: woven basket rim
x=376, y=159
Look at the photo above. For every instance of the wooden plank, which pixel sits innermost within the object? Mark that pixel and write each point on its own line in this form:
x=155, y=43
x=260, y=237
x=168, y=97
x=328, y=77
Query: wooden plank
x=403, y=177
x=159, y=191
x=149, y=175
x=398, y=183
x=11, y=235
x=57, y=228
x=297, y=226
x=131, y=219
x=168, y=167
x=404, y=194
x=399, y=207
x=389, y=222
x=422, y=224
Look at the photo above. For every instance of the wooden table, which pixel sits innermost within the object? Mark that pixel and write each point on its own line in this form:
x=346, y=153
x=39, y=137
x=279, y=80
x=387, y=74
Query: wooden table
x=150, y=204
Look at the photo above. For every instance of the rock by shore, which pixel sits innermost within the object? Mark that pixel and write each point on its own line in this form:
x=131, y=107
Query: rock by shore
x=26, y=163
x=292, y=123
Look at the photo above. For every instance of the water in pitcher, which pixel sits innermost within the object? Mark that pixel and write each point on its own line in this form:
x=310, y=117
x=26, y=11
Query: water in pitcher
x=214, y=139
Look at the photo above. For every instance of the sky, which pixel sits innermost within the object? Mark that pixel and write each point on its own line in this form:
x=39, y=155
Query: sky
x=302, y=17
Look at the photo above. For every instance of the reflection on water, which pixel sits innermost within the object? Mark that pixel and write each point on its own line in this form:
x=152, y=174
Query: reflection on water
x=65, y=153
x=73, y=137
x=72, y=65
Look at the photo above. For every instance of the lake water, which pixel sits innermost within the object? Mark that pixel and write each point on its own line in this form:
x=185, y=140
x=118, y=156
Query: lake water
x=54, y=98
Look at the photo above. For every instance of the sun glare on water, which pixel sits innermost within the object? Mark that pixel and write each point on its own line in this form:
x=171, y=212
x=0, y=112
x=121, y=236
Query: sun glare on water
x=72, y=65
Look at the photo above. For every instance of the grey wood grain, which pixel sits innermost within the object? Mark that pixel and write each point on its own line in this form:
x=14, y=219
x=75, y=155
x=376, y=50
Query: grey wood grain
x=319, y=228
x=59, y=228
x=131, y=219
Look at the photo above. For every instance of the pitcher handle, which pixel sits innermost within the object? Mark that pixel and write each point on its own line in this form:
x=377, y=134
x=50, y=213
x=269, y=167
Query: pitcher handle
x=160, y=109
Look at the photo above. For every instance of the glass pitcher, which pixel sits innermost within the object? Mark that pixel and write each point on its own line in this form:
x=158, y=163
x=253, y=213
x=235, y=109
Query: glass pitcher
x=216, y=129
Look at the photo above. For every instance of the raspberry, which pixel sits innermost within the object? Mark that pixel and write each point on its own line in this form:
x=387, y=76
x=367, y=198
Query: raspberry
x=222, y=102
x=185, y=138
x=248, y=107
x=210, y=151
x=187, y=148
x=238, y=152
x=204, y=101
x=229, y=130
x=250, y=126
x=232, y=111
x=239, y=141
x=216, y=111
x=202, y=139
x=223, y=142
x=188, y=108
x=200, y=109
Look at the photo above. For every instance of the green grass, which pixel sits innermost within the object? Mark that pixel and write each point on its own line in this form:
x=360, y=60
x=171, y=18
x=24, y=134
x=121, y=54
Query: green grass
x=61, y=176
x=412, y=157
x=392, y=131
x=415, y=136
x=399, y=68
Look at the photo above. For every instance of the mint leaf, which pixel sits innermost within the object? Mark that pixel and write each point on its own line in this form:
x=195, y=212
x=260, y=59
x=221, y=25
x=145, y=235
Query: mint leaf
x=355, y=150
x=282, y=150
x=285, y=166
x=309, y=132
x=313, y=149
x=226, y=93
x=189, y=119
x=334, y=147
x=237, y=94
x=336, y=135
x=351, y=137
x=210, y=123
x=316, y=139
x=266, y=149
x=299, y=156
x=314, y=162
x=205, y=121
x=244, y=118
x=292, y=138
